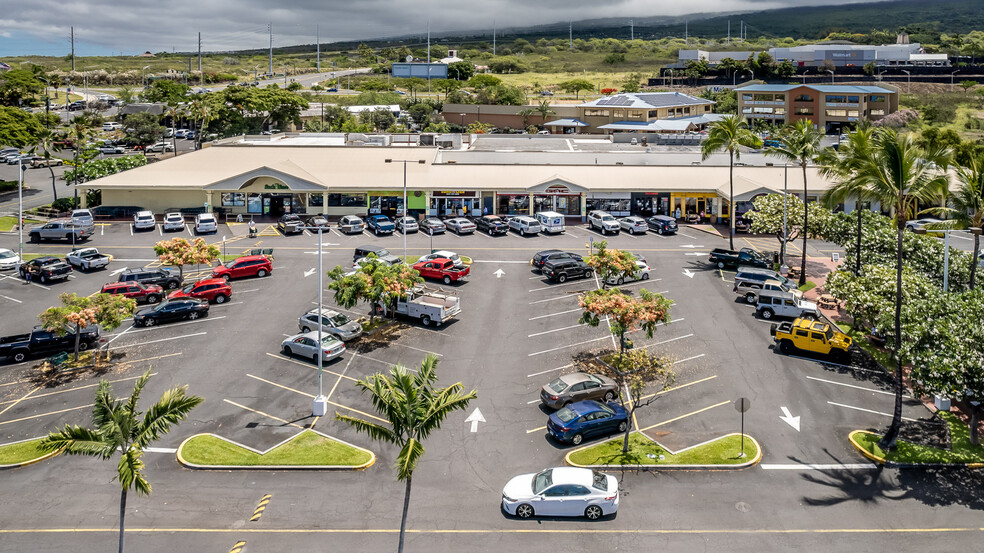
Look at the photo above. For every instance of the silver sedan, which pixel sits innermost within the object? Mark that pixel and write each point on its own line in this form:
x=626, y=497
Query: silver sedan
x=333, y=322
x=306, y=345
x=460, y=225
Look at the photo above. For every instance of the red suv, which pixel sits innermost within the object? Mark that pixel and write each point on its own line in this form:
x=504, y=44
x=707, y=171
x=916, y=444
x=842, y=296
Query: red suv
x=150, y=293
x=212, y=289
x=250, y=265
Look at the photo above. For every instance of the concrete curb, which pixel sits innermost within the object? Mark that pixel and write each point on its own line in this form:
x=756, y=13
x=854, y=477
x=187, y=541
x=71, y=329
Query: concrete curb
x=715, y=233
x=892, y=464
x=741, y=466
x=188, y=464
x=29, y=461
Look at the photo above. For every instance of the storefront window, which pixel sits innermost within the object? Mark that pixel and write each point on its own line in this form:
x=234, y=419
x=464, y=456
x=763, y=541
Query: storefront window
x=254, y=204
x=616, y=206
x=346, y=200
x=233, y=199
x=513, y=204
x=316, y=200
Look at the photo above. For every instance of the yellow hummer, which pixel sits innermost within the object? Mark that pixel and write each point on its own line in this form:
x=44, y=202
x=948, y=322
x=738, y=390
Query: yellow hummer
x=810, y=335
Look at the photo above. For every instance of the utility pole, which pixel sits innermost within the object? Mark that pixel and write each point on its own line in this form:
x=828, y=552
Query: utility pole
x=686, y=32
x=73, y=56
x=729, y=32
x=201, y=76
x=631, y=29
x=270, y=29
x=428, y=47
x=317, y=32
x=570, y=34
x=493, y=37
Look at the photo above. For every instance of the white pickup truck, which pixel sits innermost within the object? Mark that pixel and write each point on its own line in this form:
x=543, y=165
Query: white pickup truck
x=86, y=259
x=430, y=306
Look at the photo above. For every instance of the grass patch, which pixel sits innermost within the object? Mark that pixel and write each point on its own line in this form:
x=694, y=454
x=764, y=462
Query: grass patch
x=723, y=451
x=961, y=450
x=309, y=448
x=810, y=285
x=21, y=452
x=861, y=339
x=226, y=257
x=7, y=223
x=379, y=322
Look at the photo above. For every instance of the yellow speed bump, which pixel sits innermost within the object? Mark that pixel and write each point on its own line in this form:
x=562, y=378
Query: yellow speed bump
x=260, y=508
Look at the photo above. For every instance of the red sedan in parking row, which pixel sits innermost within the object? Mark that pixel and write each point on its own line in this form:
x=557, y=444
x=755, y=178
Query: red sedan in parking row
x=211, y=289
x=246, y=266
x=150, y=293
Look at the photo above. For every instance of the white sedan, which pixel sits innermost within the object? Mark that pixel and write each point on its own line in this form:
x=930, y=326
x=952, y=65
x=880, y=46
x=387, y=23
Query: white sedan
x=445, y=254
x=306, y=345
x=561, y=491
x=642, y=273
x=8, y=259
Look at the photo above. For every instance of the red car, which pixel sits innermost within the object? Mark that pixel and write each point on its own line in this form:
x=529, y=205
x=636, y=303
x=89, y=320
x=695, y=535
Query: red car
x=150, y=293
x=442, y=269
x=212, y=289
x=246, y=266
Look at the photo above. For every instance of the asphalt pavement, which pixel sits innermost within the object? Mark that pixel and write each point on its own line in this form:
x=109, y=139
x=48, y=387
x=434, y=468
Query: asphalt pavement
x=515, y=333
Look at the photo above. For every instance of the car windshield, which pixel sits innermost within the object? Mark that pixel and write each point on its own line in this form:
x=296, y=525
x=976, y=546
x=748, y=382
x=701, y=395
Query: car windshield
x=599, y=481
x=161, y=306
x=558, y=385
x=829, y=333
x=595, y=378
x=607, y=218
x=339, y=319
x=7, y=254
x=329, y=340
x=542, y=481
x=566, y=414
x=188, y=289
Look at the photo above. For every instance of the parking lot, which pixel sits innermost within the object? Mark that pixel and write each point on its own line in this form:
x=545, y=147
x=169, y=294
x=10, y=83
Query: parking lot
x=516, y=332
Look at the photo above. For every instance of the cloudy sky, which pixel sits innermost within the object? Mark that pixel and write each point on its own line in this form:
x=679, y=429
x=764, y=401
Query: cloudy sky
x=133, y=26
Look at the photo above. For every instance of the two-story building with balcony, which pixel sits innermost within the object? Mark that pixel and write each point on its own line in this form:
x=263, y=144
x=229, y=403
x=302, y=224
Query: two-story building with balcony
x=830, y=107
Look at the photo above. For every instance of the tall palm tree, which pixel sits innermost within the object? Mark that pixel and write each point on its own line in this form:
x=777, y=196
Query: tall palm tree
x=899, y=175
x=543, y=108
x=202, y=112
x=415, y=408
x=800, y=144
x=840, y=164
x=174, y=111
x=967, y=201
x=45, y=145
x=119, y=427
x=80, y=130
x=730, y=133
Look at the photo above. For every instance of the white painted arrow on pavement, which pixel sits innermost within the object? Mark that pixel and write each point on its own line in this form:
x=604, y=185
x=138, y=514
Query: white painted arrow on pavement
x=499, y=273
x=790, y=419
x=688, y=273
x=691, y=246
x=118, y=271
x=309, y=273
x=475, y=418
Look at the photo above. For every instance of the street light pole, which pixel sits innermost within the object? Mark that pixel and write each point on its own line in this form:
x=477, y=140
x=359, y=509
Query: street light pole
x=405, y=210
x=951, y=79
x=320, y=407
x=785, y=200
x=908, y=86
x=20, y=210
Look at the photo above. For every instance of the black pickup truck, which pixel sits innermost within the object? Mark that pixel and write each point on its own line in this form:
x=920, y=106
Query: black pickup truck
x=45, y=269
x=41, y=342
x=722, y=258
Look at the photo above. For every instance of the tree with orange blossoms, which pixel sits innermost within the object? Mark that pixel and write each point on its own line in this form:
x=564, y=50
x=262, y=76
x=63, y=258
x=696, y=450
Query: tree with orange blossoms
x=611, y=264
x=77, y=313
x=178, y=252
x=374, y=282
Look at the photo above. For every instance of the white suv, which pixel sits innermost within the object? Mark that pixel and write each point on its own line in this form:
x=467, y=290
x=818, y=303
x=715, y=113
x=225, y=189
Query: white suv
x=144, y=220
x=173, y=221
x=112, y=126
x=524, y=225
x=603, y=221
x=161, y=147
x=205, y=222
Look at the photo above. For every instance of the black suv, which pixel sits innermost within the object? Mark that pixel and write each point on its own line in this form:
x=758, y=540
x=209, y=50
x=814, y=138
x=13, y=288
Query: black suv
x=662, y=224
x=162, y=277
x=541, y=258
x=563, y=269
x=492, y=224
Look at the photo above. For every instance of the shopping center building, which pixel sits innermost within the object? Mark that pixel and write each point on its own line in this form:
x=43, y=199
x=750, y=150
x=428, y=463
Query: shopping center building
x=496, y=174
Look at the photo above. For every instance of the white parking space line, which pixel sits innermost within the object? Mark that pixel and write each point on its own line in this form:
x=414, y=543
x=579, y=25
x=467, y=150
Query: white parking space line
x=657, y=325
x=633, y=283
x=555, y=314
x=821, y=361
x=554, y=330
x=161, y=340
x=46, y=414
x=869, y=411
x=232, y=303
x=532, y=402
x=131, y=230
x=134, y=330
x=575, y=345
x=5, y=277
x=187, y=228
x=687, y=235
x=247, y=291
x=668, y=341
x=552, y=286
x=567, y=297
x=160, y=230
x=539, y=277
x=417, y=349
x=811, y=466
x=571, y=235
x=10, y=298
x=102, y=230
x=334, y=231
x=550, y=370
x=688, y=359
x=855, y=387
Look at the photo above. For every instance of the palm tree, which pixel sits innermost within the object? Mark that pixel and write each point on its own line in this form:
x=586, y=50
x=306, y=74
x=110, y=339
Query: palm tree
x=80, y=130
x=967, y=201
x=525, y=113
x=800, y=144
x=841, y=164
x=174, y=111
x=899, y=175
x=119, y=427
x=414, y=408
x=45, y=145
x=543, y=108
x=730, y=133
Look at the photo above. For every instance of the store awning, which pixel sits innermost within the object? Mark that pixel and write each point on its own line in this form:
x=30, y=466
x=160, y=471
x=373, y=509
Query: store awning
x=566, y=123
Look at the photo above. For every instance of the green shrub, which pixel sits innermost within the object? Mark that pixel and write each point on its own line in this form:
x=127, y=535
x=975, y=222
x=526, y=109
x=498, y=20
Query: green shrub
x=64, y=204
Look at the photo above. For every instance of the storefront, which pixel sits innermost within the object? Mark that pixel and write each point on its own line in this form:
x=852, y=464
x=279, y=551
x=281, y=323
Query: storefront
x=265, y=198
x=647, y=204
x=684, y=204
x=560, y=198
x=512, y=204
x=618, y=204
x=453, y=203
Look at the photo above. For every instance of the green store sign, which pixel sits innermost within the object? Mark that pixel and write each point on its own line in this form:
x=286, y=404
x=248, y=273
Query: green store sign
x=275, y=186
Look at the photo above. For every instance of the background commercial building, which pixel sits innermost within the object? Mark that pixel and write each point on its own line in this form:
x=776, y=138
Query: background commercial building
x=830, y=107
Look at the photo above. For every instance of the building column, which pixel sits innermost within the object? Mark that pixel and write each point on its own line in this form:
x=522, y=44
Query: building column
x=584, y=207
x=531, y=204
x=208, y=200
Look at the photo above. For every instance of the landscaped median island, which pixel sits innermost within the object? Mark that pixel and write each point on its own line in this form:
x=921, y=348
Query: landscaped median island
x=961, y=450
x=8, y=223
x=307, y=449
x=645, y=453
x=22, y=453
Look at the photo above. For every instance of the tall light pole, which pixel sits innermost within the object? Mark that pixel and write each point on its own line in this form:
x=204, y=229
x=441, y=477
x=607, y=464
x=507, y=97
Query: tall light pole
x=951, y=79
x=946, y=249
x=908, y=86
x=143, y=77
x=20, y=208
x=405, y=210
x=320, y=407
x=785, y=201
x=804, y=75
x=831, y=75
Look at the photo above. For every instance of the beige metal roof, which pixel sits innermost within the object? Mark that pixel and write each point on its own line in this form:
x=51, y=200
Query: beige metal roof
x=346, y=168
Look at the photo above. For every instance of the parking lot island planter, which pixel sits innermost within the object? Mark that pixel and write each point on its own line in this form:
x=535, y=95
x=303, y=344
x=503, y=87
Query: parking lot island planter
x=910, y=455
x=22, y=453
x=306, y=450
x=644, y=454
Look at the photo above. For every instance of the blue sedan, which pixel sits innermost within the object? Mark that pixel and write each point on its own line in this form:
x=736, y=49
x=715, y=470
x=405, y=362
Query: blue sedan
x=585, y=419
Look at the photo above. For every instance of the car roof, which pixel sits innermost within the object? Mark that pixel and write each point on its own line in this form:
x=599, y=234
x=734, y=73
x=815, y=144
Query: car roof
x=314, y=336
x=574, y=378
x=218, y=280
x=250, y=258
x=585, y=407
x=572, y=475
x=324, y=311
